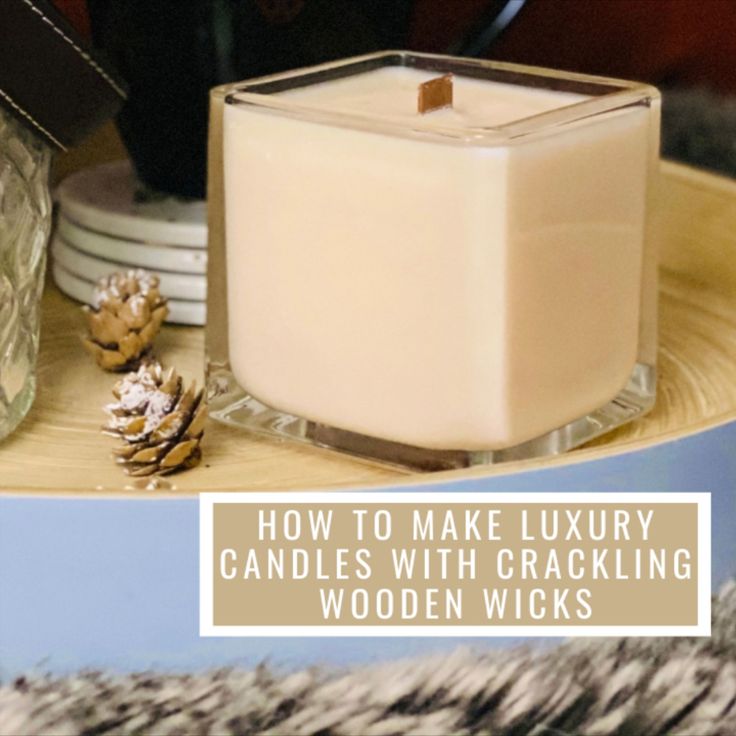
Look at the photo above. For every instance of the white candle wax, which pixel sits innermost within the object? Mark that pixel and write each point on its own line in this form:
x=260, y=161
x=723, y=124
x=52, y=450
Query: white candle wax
x=428, y=292
x=391, y=94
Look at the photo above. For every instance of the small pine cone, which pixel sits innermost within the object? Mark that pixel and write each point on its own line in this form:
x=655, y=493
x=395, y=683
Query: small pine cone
x=126, y=314
x=161, y=422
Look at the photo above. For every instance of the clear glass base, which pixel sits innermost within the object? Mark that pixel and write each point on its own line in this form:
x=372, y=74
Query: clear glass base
x=230, y=404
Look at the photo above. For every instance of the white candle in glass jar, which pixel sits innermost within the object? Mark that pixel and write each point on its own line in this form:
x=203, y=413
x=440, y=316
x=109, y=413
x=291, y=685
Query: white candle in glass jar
x=435, y=286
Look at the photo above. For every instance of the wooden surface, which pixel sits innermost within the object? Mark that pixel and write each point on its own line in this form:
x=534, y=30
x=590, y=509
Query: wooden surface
x=59, y=448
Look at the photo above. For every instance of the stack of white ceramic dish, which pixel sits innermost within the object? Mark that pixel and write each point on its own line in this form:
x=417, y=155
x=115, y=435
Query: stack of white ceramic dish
x=106, y=224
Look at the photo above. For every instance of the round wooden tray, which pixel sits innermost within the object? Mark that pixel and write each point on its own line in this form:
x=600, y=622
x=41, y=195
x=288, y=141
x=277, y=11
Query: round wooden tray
x=59, y=447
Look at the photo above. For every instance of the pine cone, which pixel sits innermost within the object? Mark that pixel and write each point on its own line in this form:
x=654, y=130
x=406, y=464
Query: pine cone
x=162, y=424
x=126, y=314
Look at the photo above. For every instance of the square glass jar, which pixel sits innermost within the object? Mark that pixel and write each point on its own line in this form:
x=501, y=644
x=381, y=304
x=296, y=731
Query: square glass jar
x=438, y=290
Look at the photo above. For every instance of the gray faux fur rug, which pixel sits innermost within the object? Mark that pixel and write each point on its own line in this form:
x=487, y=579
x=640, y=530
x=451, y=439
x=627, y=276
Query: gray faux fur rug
x=595, y=686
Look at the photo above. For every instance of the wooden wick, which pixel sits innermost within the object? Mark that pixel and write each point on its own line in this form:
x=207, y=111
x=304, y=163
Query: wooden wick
x=435, y=94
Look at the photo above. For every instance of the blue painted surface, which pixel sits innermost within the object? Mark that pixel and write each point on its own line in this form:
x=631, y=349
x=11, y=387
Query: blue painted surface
x=114, y=582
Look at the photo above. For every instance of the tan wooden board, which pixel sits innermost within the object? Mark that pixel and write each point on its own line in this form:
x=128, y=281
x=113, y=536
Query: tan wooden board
x=59, y=447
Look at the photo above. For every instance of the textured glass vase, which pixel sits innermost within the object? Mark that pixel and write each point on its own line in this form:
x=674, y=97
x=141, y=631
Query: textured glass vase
x=25, y=220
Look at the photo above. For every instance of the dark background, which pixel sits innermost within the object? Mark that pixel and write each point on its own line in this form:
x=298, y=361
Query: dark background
x=172, y=51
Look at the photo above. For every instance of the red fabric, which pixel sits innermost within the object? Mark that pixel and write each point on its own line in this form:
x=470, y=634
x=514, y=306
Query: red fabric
x=687, y=42
x=76, y=13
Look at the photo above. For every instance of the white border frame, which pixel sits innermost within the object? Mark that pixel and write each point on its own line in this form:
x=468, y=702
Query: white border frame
x=206, y=587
